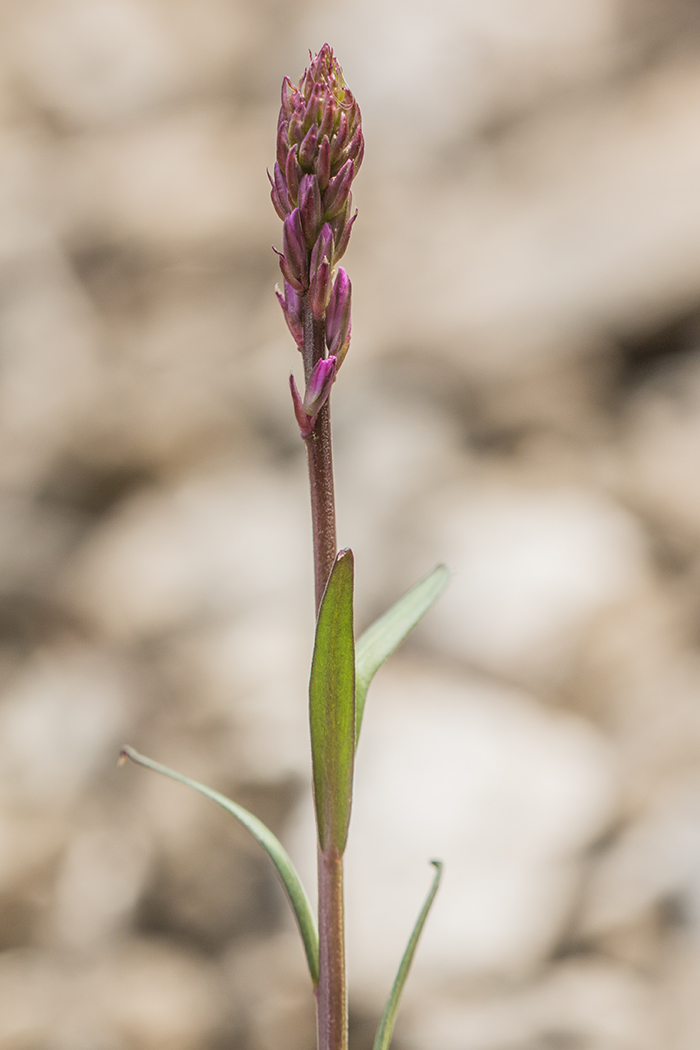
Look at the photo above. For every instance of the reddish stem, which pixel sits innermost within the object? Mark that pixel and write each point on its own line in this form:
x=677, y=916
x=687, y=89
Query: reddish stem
x=319, y=451
x=331, y=993
x=320, y=459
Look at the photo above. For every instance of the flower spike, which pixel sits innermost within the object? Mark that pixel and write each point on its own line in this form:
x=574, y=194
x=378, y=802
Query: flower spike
x=319, y=151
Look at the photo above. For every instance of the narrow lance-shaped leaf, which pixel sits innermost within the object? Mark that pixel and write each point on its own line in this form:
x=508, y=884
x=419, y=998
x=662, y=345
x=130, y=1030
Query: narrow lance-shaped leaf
x=386, y=634
x=386, y=1025
x=332, y=707
x=272, y=846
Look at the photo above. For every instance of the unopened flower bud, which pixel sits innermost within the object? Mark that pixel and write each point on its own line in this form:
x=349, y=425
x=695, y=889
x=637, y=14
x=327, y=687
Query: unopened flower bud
x=323, y=163
x=320, y=290
x=344, y=238
x=356, y=149
x=322, y=249
x=291, y=308
x=338, y=189
x=325, y=124
x=293, y=174
x=294, y=250
x=310, y=209
x=279, y=195
x=319, y=385
x=338, y=316
x=304, y=420
x=307, y=150
x=282, y=142
x=313, y=107
x=287, y=89
x=339, y=141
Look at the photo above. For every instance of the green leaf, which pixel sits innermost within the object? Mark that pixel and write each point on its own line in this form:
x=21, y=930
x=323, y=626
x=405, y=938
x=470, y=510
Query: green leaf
x=272, y=846
x=386, y=634
x=332, y=707
x=386, y=1025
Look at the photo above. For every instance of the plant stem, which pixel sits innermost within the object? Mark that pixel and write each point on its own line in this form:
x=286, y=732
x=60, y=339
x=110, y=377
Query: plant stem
x=319, y=451
x=331, y=993
x=320, y=459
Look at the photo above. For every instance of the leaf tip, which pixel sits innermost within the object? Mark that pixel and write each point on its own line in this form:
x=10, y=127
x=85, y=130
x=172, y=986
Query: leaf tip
x=125, y=753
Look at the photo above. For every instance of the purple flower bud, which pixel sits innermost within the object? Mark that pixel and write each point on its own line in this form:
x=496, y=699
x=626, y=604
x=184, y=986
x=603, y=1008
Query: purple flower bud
x=292, y=175
x=296, y=133
x=322, y=163
x=342, y=242
x=344, y=346
x=279, y=195
x=310, y=209
x=287, y=273
x=320, y=290
x=339, y=221
x=338, y=189
x=319, y=385
x=360, y=154
x=277, y=202
x=338, y=316
x=339, y=139
x=291, y=308
x=307, y=150
x=313, y=106
x=356, y=147
x=325, y=124
x=295, y=248
x=306, y=422
x=287, y=91
x=282, y=143
x=322, y=250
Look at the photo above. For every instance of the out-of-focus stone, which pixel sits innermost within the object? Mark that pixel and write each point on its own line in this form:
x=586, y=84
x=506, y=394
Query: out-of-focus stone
x=184, y=179
x=212, y=545
x=577, y=1003
x=90, y=62
x=272, y=995
x=48, y=374
x=660, y=456
x=142, y=994
x=251, y=674
x=583, y=220
x=638, y=677
x=61, y=718
x=395, y=452
x=499, y=59
x=678, y=998
x=100, y=878
x=653, y=860
x=532, y=568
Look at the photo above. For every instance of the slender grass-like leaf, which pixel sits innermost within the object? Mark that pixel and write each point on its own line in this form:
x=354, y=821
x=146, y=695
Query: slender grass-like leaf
x=272, y=846
x=386, y=634
x=386, y=1025
x=332, y=707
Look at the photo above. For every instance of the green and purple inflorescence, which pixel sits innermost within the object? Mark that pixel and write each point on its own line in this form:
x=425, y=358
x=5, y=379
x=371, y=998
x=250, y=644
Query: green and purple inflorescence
x=319, y=152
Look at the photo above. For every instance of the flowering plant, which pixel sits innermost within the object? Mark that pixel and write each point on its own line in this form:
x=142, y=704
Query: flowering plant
x=320, y=147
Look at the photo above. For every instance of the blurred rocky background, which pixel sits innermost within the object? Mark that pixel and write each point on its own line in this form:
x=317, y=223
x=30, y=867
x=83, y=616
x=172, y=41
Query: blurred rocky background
x=521, y=401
